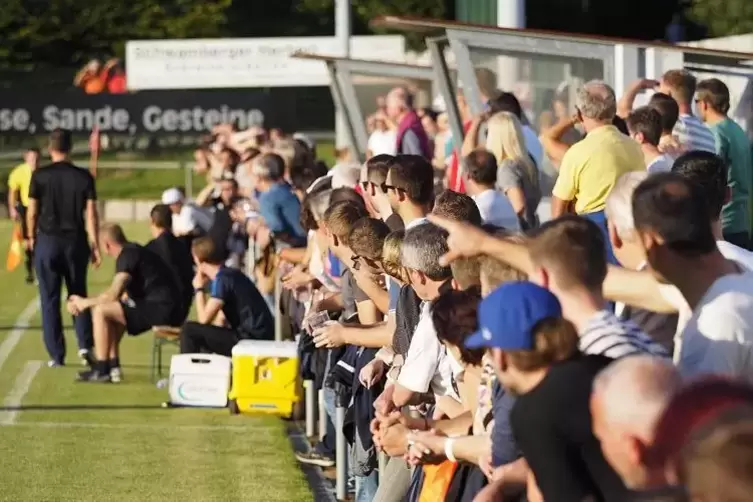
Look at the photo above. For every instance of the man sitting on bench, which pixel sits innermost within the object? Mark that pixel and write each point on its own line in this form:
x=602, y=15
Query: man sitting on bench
x=230, y=291
x=153, y=299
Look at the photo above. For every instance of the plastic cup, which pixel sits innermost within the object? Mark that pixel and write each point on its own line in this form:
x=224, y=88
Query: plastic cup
x=317, y=321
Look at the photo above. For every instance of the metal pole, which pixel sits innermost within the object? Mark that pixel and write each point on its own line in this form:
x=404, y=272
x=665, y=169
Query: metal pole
x=276, y=313
x=322, y=416
x=382, y=463
x=341, y=454
x=310, y=407
x=342, y=34
x=188, y=176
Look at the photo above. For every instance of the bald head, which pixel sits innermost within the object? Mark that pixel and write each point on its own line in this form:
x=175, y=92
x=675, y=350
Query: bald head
x=631, y=393
x=596, y=101
x=619, y=208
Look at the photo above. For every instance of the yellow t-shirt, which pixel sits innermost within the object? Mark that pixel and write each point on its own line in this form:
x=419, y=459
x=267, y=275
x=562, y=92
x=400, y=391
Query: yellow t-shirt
x=591, y=167
x=20, y=180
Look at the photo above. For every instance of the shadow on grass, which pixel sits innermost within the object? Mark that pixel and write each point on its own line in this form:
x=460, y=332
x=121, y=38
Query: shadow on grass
x=78, y=407
x=35, y=327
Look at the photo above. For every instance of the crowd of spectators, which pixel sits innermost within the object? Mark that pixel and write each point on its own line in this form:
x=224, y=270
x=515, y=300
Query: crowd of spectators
x=601, y=352
x=97, y=78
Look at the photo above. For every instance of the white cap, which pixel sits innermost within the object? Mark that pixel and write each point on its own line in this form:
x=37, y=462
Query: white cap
x=172, y=196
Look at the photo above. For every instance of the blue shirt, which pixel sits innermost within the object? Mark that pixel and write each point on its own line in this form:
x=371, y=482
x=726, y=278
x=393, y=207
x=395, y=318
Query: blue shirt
x=243, y=306
x=394, y=294
x=281, y=211
x=504, y=448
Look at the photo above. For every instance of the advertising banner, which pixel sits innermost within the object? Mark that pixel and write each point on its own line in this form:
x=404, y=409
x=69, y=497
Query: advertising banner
x=245, y=62
x=150, y=112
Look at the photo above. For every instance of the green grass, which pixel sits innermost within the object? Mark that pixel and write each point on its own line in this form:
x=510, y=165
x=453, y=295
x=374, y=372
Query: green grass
x=88, y=442
x=148, y=184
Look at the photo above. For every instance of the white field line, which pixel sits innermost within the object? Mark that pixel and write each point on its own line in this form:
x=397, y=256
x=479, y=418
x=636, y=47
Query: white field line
x=20, y=388
x=21, y=325
x=147, y=427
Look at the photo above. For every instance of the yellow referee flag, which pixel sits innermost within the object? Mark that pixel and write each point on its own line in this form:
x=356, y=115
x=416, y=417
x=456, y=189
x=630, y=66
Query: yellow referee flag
x=16, y=251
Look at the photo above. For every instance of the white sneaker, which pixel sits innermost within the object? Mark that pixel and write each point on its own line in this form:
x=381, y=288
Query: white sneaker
x=116, y=375
x=84, y=357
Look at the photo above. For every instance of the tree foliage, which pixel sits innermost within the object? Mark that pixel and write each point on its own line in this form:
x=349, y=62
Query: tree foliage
x=66, y=32
x=723, y=17
x=366, y=10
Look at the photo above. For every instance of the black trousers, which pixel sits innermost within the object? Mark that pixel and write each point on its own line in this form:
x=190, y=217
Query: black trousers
x=29, y=263
x=197, y=338
x=61, y=259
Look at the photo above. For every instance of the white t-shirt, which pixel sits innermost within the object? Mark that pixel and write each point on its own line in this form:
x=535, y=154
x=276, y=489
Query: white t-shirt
x=190, y=218
x=673, y=296
x=427, y=365
x=718, y=338
x=383, y=142
x=661, y=164
x=496, y=209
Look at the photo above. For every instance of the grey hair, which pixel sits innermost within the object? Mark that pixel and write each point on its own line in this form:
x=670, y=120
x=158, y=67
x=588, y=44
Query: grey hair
x=405, y=95
x=619, y=208
x=423, y=246
x=635, y=390
x=319, y=203
x=596, y=101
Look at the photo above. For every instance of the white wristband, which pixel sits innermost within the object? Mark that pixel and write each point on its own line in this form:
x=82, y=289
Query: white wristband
x=448, y=449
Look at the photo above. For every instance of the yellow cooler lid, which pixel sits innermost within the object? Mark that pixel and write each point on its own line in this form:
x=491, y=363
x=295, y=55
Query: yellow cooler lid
x=264, y=348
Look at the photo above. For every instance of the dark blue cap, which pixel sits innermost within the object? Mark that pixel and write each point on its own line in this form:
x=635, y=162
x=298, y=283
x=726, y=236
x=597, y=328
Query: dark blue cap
x=507, y=316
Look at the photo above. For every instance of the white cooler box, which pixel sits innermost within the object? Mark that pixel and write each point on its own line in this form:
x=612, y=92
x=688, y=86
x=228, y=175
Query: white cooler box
x=199, y=380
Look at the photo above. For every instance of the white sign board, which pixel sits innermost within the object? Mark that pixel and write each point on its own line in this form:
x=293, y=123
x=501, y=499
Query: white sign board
x=245, y=62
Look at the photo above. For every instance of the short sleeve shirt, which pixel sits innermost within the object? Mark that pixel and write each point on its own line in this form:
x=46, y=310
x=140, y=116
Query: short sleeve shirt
x=427, y=365
x=151, y=280
x=62, y=191
x=243, y=306
x=591, y=167
x=19, y=180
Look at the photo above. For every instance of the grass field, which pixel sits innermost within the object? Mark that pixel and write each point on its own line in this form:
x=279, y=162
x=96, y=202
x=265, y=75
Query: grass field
x=64, y=441
x=148, y=184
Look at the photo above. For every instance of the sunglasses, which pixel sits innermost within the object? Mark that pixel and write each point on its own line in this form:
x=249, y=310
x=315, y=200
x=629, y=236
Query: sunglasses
x=385, y=188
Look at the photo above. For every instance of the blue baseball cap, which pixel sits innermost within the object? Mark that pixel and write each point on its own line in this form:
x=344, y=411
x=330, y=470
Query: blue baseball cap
x=507, y=316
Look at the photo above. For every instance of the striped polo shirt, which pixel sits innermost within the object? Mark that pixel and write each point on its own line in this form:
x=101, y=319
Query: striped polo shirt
x=606, y=335
x=693, y=134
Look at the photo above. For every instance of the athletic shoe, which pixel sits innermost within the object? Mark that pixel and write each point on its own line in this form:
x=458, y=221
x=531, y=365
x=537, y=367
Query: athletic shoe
x=93, y=376
x=116, y=375
x=85, y=357
x=54, y=364
x=314, y=458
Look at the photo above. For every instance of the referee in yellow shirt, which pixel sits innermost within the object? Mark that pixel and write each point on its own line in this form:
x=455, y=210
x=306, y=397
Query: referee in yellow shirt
x=18, y=199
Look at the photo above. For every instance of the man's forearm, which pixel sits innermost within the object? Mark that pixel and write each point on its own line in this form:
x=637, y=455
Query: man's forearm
x=92, y=227
x=201, y=304
x=12, y=200
x=470, y=448
x=31, y=221
x=374, y=337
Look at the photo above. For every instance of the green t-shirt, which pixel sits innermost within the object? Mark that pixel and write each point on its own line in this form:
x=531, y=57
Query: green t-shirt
x=733, y=146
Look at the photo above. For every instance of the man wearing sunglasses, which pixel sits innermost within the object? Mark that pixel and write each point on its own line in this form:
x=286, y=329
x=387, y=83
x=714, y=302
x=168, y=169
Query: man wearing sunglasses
x=410, y=188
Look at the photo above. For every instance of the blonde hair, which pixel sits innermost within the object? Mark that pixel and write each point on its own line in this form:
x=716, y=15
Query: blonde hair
x=392, y=262
x=504, y=138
